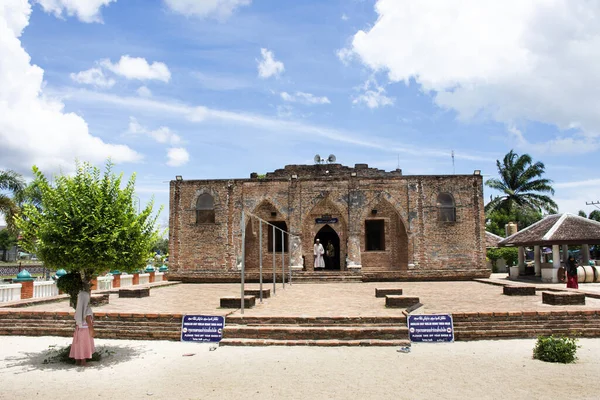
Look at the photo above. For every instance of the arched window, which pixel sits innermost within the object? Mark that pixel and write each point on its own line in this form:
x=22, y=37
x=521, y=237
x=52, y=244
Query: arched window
x=446, y=208
x=205, y=209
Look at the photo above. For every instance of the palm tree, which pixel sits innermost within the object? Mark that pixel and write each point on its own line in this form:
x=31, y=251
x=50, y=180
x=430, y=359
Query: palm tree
x=521, y=185
x=13, y=183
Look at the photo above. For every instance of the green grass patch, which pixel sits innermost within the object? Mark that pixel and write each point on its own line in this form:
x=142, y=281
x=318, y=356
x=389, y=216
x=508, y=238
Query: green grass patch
x=556, y=349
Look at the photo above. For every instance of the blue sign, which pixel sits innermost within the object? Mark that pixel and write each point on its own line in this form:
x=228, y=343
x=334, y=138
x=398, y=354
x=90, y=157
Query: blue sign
x=202, y=328
x=430, y=328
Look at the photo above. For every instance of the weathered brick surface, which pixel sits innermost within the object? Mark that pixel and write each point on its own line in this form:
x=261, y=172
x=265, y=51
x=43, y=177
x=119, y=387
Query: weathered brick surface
x=393, y=301
x=134, y=292
x=417, y=244
x=387, y=291
x=511, y=290
x=563, y=298
x=235, y=302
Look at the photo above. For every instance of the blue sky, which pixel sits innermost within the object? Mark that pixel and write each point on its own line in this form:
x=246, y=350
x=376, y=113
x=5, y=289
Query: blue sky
x=222, y=88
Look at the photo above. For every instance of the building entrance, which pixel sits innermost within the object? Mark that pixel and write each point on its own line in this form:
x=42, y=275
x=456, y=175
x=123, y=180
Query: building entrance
x=331, y=243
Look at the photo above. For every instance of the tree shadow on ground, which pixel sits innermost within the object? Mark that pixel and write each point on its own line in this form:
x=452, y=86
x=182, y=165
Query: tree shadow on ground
x=51, y=359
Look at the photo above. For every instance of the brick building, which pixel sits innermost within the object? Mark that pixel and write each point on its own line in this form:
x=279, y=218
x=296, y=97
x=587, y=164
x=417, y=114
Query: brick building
x=383, y=225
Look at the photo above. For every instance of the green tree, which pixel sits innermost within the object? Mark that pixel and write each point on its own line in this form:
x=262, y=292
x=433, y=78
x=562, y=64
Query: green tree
x=87, y=223
x=161, y=246
x=521, y=185
x=11, y=184
x=7, y=241
x=496, y=220
x=595, y=215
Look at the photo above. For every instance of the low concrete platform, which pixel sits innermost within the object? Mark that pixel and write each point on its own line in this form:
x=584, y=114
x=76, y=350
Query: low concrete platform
x=236, y=302
x=97, y=300
x=514, y=290
x=563, y=298
x=395, y=301
x=266, y=293
x=134, y=292
x=382, y=292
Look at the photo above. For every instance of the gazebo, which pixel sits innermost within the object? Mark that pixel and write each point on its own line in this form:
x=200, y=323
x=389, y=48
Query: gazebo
x=554, y=230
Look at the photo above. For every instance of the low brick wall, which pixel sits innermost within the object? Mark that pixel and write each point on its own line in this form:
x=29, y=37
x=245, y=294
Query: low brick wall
x=266, y=293
x=134, y=292
x=393, y=301
x=97, y=300
x=235, y=302
x=563, y=298
x=389, y=291
x=512, y=290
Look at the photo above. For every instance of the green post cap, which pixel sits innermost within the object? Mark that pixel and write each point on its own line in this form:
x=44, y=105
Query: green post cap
x=150, y=268
x=60, y=272
x=115, y=272
x=163, y=268
x=23, y=276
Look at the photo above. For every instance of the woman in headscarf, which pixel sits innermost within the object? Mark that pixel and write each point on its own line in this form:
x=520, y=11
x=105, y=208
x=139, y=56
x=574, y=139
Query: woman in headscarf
x=83, y=339
x=572, y=273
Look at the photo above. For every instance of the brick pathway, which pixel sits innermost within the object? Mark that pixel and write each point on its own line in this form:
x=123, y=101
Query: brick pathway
x=332, y=299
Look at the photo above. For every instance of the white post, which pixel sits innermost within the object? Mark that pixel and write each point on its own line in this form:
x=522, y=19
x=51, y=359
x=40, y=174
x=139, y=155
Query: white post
x=585, y=254
x=537, y=266
x=521, y=260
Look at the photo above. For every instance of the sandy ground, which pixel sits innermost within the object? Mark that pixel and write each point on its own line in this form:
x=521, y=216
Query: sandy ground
x=174, y=370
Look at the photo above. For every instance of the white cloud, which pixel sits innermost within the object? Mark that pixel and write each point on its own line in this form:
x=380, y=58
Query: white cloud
x=268, y=66
x=138, y=68
x=85, y=10
x=161, y=135
x=509, y=61
x=93, y=76
x=34, y=129
x=304, y=98
x=373, y=95
x=143, y=91
x=344, y=17
x=220, y=9
x=177, y=156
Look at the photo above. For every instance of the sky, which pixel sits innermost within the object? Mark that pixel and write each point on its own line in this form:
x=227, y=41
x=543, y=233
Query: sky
x=217, y=89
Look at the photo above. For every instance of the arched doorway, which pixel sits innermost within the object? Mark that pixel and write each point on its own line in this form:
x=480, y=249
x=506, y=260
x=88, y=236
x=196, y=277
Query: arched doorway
x=327, y=235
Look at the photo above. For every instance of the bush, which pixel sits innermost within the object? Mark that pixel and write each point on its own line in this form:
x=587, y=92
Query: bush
x=560, y=349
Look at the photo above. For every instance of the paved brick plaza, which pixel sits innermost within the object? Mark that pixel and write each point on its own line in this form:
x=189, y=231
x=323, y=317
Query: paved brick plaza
x=334, y=299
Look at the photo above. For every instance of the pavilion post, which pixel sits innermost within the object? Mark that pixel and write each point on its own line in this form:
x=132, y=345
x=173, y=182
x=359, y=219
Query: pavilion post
x=521, y=260
x=537, y=265
x=585, y=254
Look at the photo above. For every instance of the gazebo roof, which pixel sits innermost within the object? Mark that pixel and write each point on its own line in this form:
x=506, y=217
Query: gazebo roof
x=556, y=229
x=491, y=240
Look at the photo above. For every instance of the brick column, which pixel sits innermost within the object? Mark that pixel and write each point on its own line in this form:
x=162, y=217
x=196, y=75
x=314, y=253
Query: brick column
x=94, y=284
x=136, y=279
x=26, y=289
x=116, y=280
x=152, y=277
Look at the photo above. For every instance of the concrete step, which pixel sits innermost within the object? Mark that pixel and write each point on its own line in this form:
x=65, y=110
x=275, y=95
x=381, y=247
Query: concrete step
x=321, y=343
x=317, y=321
x=293, y=332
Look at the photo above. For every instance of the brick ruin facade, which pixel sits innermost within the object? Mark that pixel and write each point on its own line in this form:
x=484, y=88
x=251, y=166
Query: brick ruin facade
x=383, y=224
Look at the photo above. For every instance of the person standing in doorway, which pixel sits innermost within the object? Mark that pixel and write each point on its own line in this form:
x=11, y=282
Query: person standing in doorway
x=330, y=254
x=572, y=273
x=318, y=252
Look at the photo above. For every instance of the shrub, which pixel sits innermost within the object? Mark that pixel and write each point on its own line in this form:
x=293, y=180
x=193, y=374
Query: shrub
x=560, y=349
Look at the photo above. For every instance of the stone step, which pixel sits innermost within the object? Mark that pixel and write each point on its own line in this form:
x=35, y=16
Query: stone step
x=294, y=332
x=510, y=334
x=321, y=343
x=317, y=321
x=525, y=324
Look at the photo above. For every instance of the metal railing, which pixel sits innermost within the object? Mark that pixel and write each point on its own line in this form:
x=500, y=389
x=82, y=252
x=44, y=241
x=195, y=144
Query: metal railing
x=260, y=256
x=126, y=280
x=105, y=282
x=144, y=279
